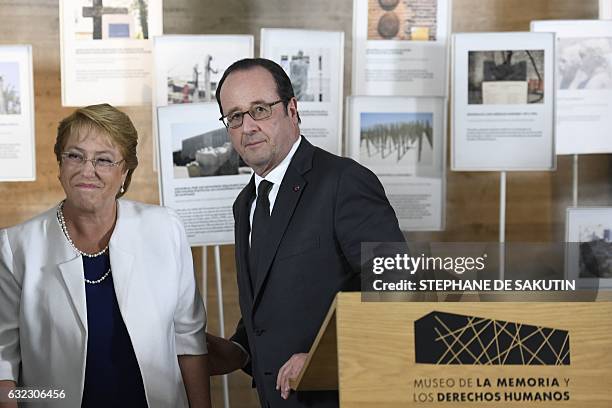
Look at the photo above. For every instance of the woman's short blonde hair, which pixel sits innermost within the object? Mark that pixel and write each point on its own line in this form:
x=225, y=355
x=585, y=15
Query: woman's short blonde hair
x=109, y=120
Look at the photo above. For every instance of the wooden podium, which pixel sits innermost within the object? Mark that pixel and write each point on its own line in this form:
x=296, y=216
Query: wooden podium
x=366, y=350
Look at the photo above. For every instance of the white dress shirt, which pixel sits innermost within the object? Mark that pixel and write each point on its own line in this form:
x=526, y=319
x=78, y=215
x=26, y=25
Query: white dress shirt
x=276, y=177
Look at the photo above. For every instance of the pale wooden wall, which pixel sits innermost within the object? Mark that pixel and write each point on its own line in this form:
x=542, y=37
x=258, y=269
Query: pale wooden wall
x=536, y=201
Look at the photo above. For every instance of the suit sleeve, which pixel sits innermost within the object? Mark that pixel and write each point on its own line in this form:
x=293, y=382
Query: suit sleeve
x=363, y=214
x=240, y=336
x=10, y=294
x=190, y=315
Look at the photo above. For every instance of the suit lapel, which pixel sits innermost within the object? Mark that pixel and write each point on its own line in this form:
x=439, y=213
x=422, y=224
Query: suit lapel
x=241, y=232
x=289, y=194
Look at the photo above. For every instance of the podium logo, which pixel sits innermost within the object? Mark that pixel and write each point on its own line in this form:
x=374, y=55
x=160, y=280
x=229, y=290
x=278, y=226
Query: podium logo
x=448, y=338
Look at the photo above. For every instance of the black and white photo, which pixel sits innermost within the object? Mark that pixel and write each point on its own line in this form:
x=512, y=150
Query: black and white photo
x=202, y=154
x=10, y=93
x=111, y=19
x=506, y=77
x=188, y=67
x=585, y=63
x=399, y=137
x=589, y=246
x=309, y=71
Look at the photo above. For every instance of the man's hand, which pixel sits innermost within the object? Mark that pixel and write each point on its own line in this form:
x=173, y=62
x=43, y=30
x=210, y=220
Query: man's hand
x=290, y=370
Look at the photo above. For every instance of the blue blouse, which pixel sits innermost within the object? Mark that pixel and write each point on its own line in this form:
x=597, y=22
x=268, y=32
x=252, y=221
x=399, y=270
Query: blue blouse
x=112, y=374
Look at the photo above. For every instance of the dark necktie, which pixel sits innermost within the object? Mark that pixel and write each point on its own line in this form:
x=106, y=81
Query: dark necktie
x=261, y=219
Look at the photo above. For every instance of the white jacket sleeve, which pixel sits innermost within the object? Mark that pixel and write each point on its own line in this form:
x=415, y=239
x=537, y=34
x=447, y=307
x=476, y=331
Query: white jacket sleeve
x=190, y=315
x=10, y=294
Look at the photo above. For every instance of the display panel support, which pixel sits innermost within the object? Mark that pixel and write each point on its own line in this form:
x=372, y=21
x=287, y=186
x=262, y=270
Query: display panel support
x=204, y=286
x=502, y=222
x=575, y=181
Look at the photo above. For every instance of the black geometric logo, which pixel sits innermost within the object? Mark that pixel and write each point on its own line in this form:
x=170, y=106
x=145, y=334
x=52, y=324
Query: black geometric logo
x=448, y=338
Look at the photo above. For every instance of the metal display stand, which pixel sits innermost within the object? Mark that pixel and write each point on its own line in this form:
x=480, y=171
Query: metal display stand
x=204, y=286
x=502, y=223
x=575, y=181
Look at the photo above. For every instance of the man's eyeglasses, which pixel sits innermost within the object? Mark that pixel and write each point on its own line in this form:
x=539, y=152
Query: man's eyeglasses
x=99, y=163
x=259, y=111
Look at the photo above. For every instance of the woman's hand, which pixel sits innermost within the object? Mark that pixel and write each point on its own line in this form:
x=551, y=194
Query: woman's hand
x=5, y=386
x=224, y=355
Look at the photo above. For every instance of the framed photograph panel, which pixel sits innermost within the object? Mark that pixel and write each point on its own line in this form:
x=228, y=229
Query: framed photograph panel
x=17, y=142
x=583, y=67
x=188, y=68
x=503, y=104
x=402, y=140
x=200, y=172
x=105, y=50
x=400, y=47
x=605, y=9
x=314, y=61
x=589, y=247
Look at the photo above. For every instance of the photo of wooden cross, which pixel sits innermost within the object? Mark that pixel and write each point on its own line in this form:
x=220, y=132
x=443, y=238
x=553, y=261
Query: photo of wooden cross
x=96, y=12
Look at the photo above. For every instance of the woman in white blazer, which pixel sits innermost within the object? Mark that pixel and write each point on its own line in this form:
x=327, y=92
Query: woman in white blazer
x=97, y=295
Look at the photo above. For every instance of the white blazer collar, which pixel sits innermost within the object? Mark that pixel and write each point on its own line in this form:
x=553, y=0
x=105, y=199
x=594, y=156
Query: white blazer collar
x=72, y=274
x=121, y=259
x=70, y=264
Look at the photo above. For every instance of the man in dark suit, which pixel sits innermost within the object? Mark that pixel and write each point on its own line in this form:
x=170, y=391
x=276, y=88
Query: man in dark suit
x=299, y=225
